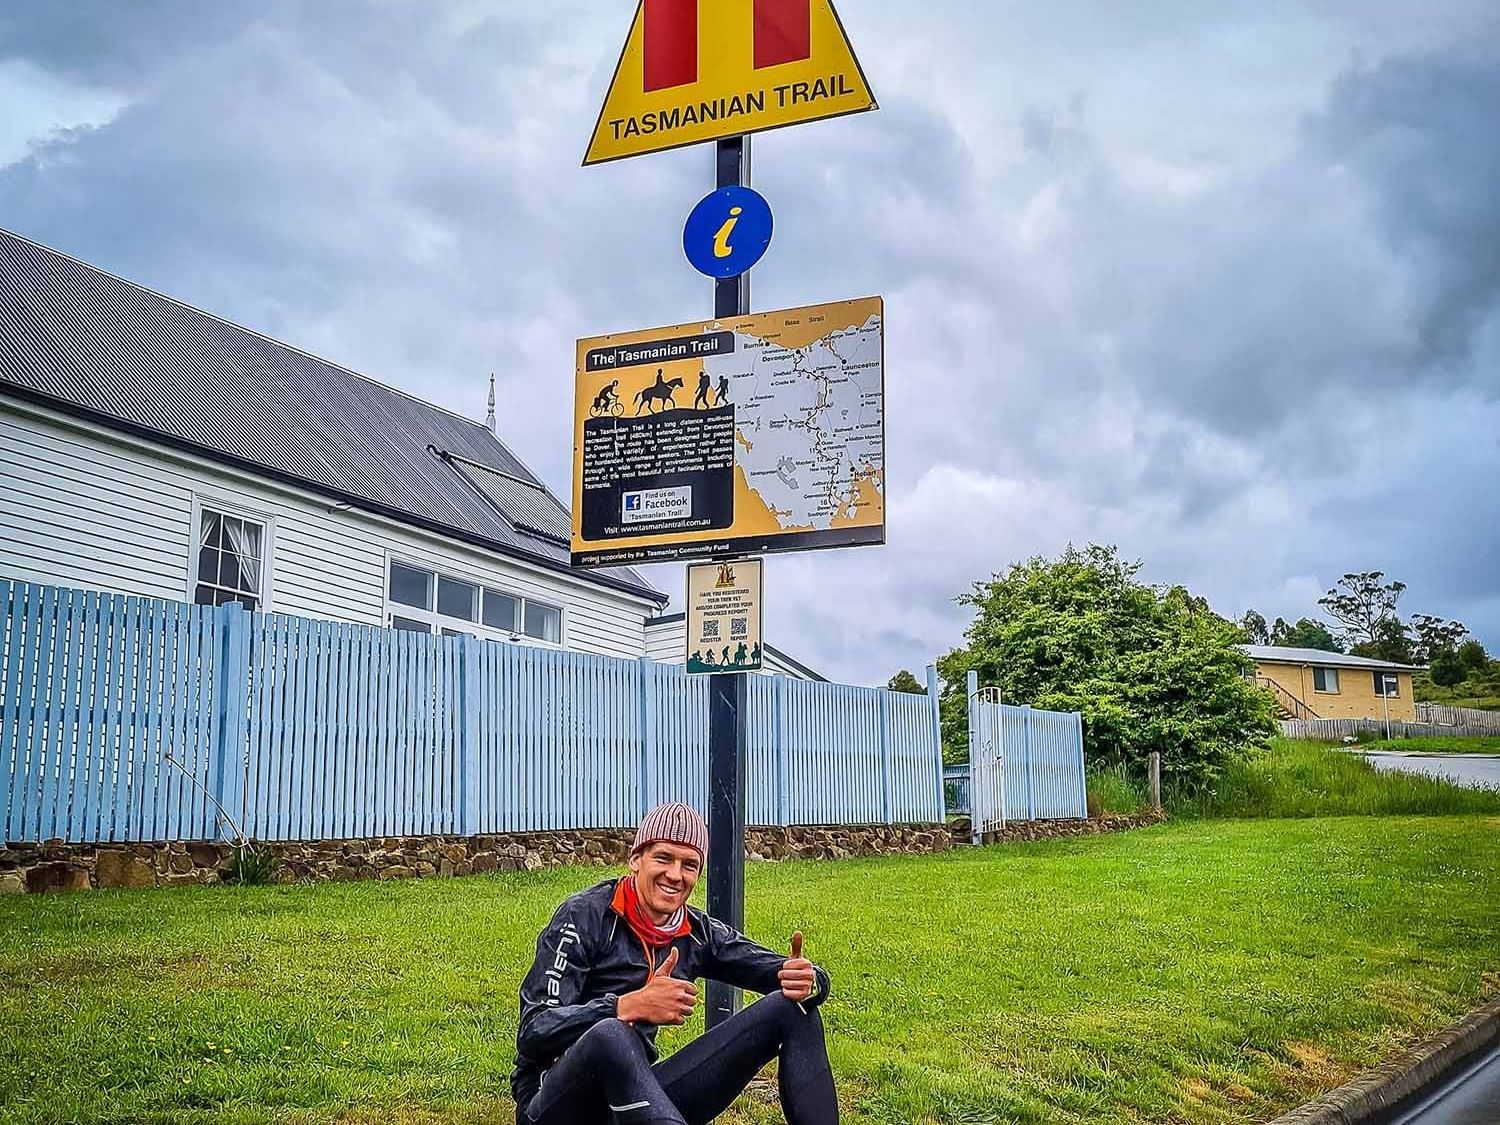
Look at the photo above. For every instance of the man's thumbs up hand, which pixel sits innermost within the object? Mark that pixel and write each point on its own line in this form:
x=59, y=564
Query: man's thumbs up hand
x=663, y=1000
x=798, y=981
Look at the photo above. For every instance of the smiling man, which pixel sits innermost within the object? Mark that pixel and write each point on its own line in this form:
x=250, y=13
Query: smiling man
x=619, y=960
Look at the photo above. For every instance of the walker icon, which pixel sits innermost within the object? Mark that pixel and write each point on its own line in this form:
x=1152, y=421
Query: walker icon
x=728, y=232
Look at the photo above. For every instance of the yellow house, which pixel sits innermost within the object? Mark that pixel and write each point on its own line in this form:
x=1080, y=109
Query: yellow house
x=1312, y=684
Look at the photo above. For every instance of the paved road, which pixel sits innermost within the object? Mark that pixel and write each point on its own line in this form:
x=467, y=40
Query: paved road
x=1466, y=769
x=1469, y=1097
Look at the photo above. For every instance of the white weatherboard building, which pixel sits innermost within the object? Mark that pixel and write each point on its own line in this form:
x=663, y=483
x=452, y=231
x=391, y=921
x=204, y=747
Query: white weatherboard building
x=149, y=448
x=152, y=449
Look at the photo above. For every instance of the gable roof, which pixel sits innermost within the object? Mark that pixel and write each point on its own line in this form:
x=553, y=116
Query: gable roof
x=1275, y=654
x=770, y=649
x=84, y=341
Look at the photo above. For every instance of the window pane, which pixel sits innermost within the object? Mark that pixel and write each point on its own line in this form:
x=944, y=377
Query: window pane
x=211, y=536
x=248, y=544
x=203, y=595
x=543, y=622
x=229, y=571
x=456, y=633
x=208, y=565
x=407, y=625
x=501, y=611
x=1331, y=676
x=411, y=586
x=457, y=599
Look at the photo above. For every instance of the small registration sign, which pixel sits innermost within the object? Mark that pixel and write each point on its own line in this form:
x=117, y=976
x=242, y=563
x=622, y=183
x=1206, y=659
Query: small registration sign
x=723, y=620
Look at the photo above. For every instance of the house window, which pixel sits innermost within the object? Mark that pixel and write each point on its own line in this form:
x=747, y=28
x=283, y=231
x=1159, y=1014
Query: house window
x=1387, y=683
x=428, y=601
x=410, y=586
x=1326, y=680
x=231, y=554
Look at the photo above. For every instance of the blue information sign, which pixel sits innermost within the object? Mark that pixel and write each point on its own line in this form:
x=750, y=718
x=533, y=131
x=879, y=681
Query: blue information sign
x=728, y=232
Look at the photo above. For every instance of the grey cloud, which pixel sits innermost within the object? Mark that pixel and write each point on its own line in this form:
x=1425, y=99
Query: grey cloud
x=1234, y=346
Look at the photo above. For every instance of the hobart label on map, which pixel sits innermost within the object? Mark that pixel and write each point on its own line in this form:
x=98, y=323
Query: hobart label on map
x=764, y=432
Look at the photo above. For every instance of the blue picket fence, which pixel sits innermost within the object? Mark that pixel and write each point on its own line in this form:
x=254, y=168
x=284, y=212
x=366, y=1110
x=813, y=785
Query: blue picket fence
x=1024, y=763
x=134, y=719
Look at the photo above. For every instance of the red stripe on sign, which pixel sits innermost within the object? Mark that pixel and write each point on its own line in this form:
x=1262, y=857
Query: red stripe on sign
x=783, y=32
x=671, y=46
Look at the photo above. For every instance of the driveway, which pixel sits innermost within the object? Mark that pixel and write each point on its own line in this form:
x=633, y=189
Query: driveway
x=1466, y=769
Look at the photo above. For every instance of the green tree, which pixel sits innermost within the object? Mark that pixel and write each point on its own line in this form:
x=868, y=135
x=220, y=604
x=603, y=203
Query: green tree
x=1472, y=656
x=1364, y=606
x=1254, y=627
x=1307, y=633
x=1149, y=668
x=1392, y=642
x=905, y=681
x=1435, y=636
x=1446, y=670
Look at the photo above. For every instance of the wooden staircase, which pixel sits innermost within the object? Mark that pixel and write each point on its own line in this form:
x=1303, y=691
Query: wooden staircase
x=1288, y=706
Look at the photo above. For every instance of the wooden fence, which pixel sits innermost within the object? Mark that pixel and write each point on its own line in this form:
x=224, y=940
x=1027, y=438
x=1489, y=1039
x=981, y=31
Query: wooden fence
x=1337, y=729
x=133, y=719
x=1472, y=718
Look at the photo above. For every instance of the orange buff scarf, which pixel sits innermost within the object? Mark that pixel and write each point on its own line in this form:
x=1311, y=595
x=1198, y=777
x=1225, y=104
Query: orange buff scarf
x=627, y=904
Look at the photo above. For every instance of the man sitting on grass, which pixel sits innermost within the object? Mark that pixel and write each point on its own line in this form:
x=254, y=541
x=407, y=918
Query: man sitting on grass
x=618, y=960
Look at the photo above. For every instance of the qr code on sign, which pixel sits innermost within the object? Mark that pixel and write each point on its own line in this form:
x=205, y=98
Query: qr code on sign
x=711, y=630
x=739, y=628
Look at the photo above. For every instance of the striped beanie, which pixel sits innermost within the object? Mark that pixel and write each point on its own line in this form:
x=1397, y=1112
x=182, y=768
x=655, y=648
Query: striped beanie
x=677, y=824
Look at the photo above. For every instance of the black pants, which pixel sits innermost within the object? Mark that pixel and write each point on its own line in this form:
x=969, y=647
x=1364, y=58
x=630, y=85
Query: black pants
x=605, y=1076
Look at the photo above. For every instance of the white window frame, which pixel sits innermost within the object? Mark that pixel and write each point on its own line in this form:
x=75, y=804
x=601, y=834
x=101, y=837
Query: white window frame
x=1334, y=672
x=231, y=507
x=1394, y=685
x=438, y=622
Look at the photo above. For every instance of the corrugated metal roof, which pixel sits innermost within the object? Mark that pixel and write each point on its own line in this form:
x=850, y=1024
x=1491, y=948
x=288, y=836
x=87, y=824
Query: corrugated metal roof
x=526, y=502
x=93, y=343
x=1277, y=654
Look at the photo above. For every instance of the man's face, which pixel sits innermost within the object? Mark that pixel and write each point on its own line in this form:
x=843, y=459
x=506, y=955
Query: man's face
x=664, y=877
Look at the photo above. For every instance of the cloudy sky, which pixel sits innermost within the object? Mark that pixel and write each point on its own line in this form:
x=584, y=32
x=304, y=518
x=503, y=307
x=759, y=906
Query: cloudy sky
x=1217, y=283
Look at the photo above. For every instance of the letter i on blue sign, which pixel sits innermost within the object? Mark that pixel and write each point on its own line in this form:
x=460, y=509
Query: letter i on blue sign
x=728, y=232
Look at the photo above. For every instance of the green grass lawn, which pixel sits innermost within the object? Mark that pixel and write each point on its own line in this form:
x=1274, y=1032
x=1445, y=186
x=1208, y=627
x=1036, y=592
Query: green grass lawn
x=1296, y=778
x=1483, y=744
x=1213, y=971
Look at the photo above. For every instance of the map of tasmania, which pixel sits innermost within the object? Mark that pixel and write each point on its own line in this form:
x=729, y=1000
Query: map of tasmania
x=810, y=423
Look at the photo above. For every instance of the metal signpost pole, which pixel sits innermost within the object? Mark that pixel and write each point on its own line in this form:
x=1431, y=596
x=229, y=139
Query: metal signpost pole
x=727, y=691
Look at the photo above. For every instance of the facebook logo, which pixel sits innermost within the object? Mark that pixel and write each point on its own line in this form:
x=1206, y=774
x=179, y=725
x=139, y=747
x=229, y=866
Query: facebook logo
x=651, y=504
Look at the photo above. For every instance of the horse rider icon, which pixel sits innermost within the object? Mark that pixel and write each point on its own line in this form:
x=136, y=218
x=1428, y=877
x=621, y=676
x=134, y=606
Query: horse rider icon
x=658, y=394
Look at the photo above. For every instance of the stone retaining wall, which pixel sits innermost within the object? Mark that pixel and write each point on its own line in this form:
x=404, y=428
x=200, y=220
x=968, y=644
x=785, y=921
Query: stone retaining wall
x=60, y=866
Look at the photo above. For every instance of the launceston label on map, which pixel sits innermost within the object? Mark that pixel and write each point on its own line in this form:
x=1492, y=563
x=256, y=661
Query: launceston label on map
x=764, y=432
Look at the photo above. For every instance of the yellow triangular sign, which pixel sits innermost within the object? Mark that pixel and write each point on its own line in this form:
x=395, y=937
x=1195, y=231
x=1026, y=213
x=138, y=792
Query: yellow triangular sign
x=698, y=70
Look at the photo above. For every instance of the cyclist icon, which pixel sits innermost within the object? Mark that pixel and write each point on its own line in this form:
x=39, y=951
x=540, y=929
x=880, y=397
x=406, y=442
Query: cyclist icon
x=607, y=401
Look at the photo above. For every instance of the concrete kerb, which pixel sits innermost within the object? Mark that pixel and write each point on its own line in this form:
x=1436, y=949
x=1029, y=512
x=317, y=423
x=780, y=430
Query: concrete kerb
x=1364, y=1099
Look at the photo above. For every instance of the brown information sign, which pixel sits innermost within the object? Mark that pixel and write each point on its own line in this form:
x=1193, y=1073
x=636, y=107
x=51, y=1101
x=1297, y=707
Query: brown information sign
x=764, y=432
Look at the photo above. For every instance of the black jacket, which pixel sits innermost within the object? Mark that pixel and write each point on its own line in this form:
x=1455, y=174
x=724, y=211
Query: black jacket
x=587, y=957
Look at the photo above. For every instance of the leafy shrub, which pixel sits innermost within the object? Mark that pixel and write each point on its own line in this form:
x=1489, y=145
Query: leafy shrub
x=1150, y=668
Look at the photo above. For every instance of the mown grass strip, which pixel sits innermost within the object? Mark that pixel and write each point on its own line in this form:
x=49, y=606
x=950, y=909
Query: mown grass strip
x=1202, y=972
